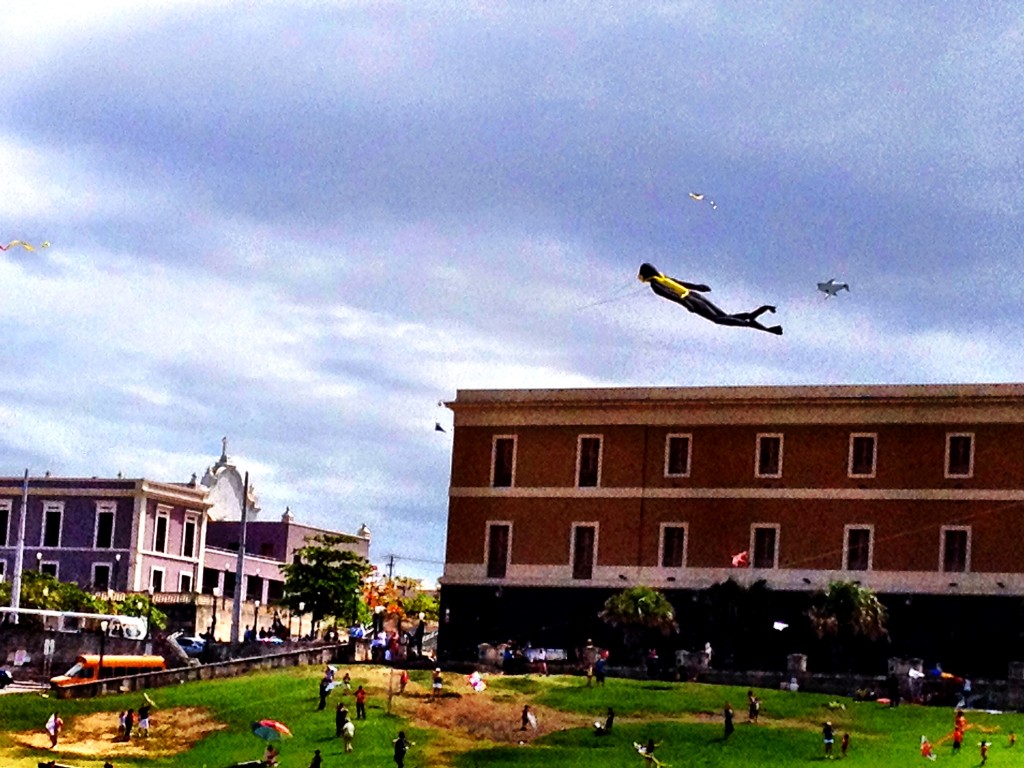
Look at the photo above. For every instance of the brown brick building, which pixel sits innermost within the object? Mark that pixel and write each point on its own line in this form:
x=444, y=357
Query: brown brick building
x=560, y=497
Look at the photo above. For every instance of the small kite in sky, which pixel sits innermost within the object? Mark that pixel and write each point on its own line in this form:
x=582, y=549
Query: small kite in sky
x=832, y=288
x=779, y=625
x=688, y=295
x=23, y=244
x=741, y=560
x=438, y=427
x=699, y=197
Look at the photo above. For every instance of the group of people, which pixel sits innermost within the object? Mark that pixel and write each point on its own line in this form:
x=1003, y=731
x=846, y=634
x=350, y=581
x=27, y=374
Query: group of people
x=130, y=719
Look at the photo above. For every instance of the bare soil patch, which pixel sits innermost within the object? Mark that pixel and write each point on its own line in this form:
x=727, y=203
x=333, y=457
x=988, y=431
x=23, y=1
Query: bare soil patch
x=172, y=731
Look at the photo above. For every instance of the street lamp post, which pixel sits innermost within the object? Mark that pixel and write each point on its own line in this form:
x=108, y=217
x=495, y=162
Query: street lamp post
x=149, y=612
x=39, y=561
x=302, y=608
x=117, y=568
x=256, y=618
x=104, y=625
x=213, y=613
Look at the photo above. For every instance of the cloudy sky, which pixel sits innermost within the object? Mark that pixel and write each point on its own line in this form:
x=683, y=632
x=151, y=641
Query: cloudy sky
x=301, y=224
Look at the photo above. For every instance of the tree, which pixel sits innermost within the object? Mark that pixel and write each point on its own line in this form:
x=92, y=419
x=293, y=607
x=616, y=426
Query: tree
x=141, y=606
x=326, y=578
x=849, y=614
x=638, y=611
x=846, y=608
x=422, y=602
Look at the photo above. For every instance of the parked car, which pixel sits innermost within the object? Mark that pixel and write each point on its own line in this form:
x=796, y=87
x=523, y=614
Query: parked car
x=193, y=646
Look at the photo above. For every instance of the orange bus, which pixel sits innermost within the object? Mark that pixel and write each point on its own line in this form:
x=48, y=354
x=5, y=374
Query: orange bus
x=87, y=668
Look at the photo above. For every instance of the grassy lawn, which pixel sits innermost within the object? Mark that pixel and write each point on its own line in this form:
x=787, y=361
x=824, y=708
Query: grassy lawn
x=208, y=724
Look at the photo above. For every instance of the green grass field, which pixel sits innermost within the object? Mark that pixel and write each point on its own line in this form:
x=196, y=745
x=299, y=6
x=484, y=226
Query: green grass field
x=481, y=730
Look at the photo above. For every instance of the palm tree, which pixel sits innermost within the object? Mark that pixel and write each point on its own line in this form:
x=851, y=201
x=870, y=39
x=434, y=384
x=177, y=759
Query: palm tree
x=638, y=611
x=849, y=613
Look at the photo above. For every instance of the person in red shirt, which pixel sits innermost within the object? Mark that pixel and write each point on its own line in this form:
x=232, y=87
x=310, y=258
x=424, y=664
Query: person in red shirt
x=360, y=703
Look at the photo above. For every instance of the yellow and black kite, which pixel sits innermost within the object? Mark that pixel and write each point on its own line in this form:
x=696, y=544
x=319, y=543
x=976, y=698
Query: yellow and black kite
x=688, y=294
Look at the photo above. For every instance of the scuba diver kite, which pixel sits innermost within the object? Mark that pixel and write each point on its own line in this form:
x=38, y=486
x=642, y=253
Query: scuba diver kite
x=688, y=295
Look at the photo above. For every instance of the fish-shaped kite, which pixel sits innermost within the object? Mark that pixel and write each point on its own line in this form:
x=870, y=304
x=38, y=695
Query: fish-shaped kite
x=832, y=288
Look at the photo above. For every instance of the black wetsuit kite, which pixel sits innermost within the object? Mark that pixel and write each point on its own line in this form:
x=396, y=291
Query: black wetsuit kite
x=688, y=295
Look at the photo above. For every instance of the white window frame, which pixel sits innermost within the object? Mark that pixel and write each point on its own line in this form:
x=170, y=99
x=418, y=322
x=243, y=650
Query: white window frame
x=778, y=545
x=970, y=462
x=757, y=453
x=661, y=543
x=487, y=547
x=165, y=513
x=153, y=570
x=194, y=519
x=51, y=506
x=182, y=575
x=6, y=505
x=579, y=458
x=104, y=507
x=110, y=573
x=874, y=455
x=943, y=530
x=572, y=548
x=494, y=458
x=56, y=567
x=689, y=453
x=846, y=544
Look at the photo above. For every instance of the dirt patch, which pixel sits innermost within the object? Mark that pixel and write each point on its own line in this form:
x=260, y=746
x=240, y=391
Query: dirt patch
x=465, y=720
x=172, y=731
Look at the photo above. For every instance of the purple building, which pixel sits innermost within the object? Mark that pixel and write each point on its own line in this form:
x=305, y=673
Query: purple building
x=268, y=546
x=120, y=534
x=136, y=535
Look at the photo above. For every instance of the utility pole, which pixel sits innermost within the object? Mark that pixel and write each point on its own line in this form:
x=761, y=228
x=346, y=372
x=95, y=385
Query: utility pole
x=236, y=610
x=19, y=555
x=391, y=566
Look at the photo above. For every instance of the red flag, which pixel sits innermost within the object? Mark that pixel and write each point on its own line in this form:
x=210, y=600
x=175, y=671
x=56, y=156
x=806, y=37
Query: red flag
x=741, y=560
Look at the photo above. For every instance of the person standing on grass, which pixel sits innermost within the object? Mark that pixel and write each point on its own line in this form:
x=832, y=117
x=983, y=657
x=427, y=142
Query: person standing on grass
x=324, y=682
x=316, y=762
x=340, y=718
x=845, y=745
x=401, y=747
x=53, y=727
x=348, y=733
x=129, y=723
x=727, y=713
x=754, y=707
x=403, y=681
x=436, y=684
x=144, y=720
x=360, y=703
x=828, y=736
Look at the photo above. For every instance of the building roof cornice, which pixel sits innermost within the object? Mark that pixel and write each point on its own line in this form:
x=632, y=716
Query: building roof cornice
x=743, y=405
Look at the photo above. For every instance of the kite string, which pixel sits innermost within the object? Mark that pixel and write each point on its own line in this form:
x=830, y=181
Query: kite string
x=909, y=532
x=624, y=293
